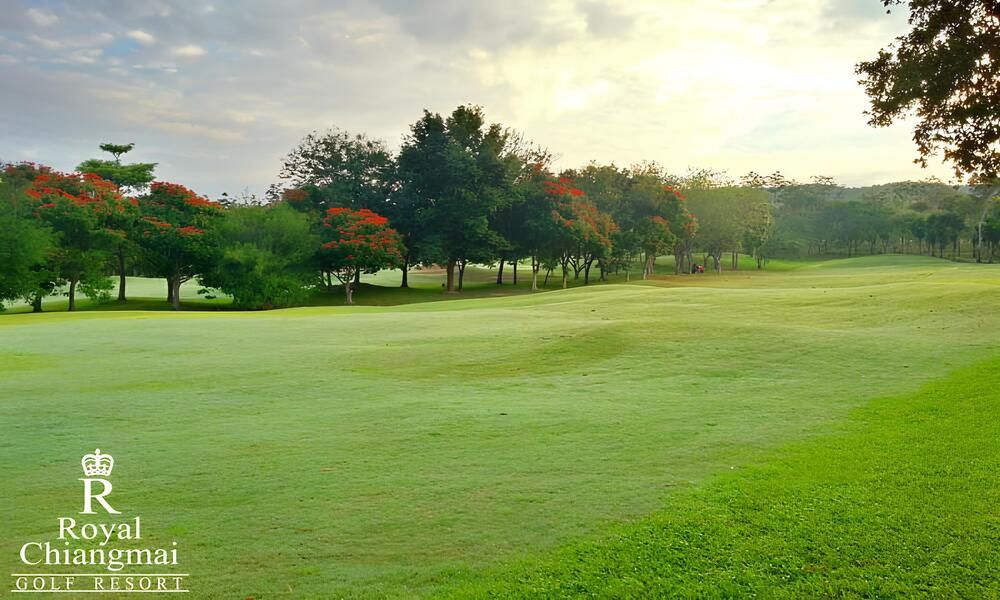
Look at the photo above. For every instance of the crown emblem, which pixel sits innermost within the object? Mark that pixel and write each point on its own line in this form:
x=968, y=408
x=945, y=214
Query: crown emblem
x=97, y=464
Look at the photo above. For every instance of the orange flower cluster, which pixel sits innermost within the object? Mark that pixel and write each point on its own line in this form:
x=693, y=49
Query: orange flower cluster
x=677, y=194
x=362, y=235
x=563, y=187
x=363, y=216
x=177, y=190
x=50, y=187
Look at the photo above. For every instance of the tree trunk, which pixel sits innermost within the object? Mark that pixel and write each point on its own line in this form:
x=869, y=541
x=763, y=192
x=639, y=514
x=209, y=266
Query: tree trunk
x=461, y=273
x=717, y=262
x=547, y=273
x=170, y=290
x=121, y=274
x=72, y=293
x=449, y=285
x=586, y=272
x=36, y=302
x=535, y=266
x=647, y=270
x=565, y=275
x=500, y=273
x=176, y=293
x=515, y=272
x=357, y=277
x=349, y=289
x=406, y=272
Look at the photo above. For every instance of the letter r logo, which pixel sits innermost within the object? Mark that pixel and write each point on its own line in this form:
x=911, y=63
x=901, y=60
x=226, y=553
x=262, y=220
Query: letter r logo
x=89, y=496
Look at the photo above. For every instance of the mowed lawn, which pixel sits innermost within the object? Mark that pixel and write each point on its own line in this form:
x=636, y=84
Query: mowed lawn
x=399, y=451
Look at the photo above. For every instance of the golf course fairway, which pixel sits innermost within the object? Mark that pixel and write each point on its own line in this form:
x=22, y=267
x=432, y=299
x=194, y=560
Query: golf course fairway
x=831, y=429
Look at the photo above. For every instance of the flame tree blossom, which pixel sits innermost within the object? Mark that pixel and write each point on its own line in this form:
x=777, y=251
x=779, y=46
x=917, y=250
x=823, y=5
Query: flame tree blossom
x=76, y=207
x=173, y=230
x=357, y=241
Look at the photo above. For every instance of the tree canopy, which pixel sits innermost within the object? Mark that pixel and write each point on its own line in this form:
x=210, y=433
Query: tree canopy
x=946, y=72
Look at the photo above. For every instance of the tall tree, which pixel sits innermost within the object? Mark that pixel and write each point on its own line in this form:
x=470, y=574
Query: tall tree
x=727, y=217
x=946, y=72
x=584, y=232
x=72, y=205
x=131, y=178
x=337, y=168
x=355, y=241
x=457, y=172
x=172, y=233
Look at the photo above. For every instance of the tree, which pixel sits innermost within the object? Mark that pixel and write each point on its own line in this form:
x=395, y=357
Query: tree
x=725, y=218
x=584, y=231
x=339, y=169
x=72, y=206
x=264, y=256
x=133, y=178
x=172, y=232
x=25, y=243
x=456, y=173
x=607, y=187
x=758, y=231
x=347, y=170
x=943, y=229
x=355, y=241
x=946, y=72
x=130, y=178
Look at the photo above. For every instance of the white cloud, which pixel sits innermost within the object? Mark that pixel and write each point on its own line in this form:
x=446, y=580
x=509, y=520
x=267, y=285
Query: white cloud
x=40, y=17
x=189, y=51
x=731, y=84
x=142, y=37
x=45, y=43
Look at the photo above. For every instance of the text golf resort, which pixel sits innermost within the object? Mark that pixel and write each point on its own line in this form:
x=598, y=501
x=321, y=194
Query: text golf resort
x=95, y=556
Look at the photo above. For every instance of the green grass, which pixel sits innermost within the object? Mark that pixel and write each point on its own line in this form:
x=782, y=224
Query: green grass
x=899, y=502
x=399, y=450
x=381, y=288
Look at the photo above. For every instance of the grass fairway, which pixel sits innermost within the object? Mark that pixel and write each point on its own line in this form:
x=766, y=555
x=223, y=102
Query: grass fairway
x=399, y=451
x=899, y=502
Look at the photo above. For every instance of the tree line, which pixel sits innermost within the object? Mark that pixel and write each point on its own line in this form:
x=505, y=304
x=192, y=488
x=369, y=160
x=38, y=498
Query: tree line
x=459, y=191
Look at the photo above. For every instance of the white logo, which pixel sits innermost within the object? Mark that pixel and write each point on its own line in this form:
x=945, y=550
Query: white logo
x=71, y=561
x=96, y=464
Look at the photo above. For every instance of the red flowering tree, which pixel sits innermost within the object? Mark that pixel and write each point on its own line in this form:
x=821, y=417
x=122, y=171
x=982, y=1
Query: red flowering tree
x=173, y=230
x=76, y=207
x=355, y=241
x=658, y=217
x=584, y=232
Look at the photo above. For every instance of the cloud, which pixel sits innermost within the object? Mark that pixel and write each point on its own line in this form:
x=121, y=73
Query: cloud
x=142, y=37
x=188, y=51
x=605, y=19
x=44, y=42
x=40, y=17
x=218, y=97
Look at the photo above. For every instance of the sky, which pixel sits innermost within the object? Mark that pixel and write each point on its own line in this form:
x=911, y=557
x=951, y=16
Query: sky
x=217, y=93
